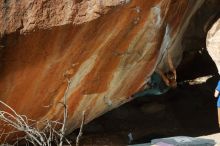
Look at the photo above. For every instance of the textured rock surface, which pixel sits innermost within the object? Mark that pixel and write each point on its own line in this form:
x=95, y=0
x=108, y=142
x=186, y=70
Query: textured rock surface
x=106, y=49
x=213, y=43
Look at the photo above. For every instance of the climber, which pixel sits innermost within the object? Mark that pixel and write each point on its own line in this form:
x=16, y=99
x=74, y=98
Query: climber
x=217, y=95
x=160, y=82
x=169, y=77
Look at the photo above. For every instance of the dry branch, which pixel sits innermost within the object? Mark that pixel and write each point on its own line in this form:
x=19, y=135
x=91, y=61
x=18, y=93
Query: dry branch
x=81, y=129
x=65, y=113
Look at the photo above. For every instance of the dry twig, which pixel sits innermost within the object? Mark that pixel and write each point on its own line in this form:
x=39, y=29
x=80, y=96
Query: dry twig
x=65, y=113
x=81, y=129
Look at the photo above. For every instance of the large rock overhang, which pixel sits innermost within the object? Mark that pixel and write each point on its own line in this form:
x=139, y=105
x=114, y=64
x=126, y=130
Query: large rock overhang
x=107, y=50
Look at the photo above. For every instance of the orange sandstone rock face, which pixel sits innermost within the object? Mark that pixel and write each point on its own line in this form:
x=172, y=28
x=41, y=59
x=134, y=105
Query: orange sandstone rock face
x=107, y=49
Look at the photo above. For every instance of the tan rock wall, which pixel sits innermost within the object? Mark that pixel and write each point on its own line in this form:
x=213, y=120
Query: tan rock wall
x=213, y=43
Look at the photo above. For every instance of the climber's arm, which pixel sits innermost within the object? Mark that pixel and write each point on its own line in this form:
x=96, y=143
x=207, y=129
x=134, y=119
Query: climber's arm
x=170, y=63
x=163, y=77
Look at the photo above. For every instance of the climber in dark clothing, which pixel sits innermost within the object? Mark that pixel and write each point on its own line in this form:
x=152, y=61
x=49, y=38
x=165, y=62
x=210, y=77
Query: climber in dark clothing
x=169, y=77
x=160, y=82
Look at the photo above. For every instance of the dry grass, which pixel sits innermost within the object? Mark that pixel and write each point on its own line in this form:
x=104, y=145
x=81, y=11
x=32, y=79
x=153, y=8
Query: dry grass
x=43, y=137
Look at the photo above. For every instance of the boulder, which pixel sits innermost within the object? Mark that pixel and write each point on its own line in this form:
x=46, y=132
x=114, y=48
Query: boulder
x=213, y=43
x=101, y=51
x=183, y=141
